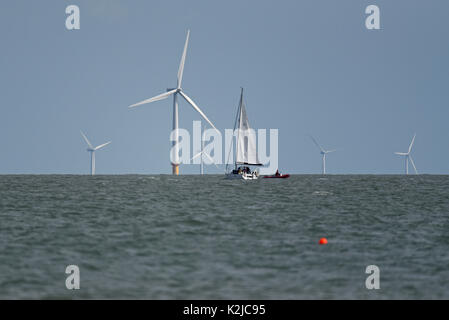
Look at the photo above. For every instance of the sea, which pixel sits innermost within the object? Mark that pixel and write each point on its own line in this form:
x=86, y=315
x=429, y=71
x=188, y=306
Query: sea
x=204, y=237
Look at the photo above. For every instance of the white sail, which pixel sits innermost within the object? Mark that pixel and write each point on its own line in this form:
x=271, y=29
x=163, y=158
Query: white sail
x=246, y=150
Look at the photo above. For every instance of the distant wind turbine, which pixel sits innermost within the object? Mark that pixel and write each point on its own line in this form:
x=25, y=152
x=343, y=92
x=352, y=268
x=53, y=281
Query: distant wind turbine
x=408, y=156
x=175, y=92
x=323, y=153
x=203, y=153
x=92, y=150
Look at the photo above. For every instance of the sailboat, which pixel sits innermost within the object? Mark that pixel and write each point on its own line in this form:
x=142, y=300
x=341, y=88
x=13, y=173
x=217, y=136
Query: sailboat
x=245, y=149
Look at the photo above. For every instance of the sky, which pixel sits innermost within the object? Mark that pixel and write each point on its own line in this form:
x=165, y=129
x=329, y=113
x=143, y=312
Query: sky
x=308, y=67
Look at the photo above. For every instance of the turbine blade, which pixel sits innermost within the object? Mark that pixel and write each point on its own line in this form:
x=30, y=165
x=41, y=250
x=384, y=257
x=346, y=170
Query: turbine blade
x=197, y=155
x=413, y=164
x=87, y=140
x=183, y=60
x=411, y=144
x=156, y=98
x=210, y=158
x=102, y=145
x=331, y=151
x=197, y=109
x=316, y=143
x=401, y=153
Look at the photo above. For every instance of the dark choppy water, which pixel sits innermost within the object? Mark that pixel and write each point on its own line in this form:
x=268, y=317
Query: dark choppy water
x=193, y=237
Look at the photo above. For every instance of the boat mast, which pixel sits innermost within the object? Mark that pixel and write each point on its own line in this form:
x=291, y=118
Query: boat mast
x=237, y=119
x=239, y=113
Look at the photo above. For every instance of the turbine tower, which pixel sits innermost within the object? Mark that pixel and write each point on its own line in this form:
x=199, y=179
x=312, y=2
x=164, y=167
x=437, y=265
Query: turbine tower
x=92, y=150
x=408, y=156
x=323, y=153
x=175, y=92
x=201, y=151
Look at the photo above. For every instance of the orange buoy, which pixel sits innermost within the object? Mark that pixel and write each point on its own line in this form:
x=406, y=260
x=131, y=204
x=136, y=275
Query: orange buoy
x=323, y=241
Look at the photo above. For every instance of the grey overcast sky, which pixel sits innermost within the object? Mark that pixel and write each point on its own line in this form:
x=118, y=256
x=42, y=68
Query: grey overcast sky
x=307, y=66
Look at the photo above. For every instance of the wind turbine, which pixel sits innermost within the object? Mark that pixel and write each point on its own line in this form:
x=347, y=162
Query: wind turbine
x=175, y=92
x=323, y=153
x=202, y=153
x=408, y=156
x=92, y=150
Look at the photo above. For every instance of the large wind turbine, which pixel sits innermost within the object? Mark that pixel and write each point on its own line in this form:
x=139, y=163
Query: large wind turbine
x=175, y=92
x=92, y=150
x=323, y=153
x=408, y=156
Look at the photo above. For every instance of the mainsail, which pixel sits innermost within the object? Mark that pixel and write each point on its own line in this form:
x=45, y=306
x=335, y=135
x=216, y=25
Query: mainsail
x=246, y=150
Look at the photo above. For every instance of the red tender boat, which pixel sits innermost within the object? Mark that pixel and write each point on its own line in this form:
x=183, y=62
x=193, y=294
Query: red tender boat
x=281, y=176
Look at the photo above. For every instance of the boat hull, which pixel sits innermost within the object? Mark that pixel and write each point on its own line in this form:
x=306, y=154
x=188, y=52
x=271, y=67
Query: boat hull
x=242, y=176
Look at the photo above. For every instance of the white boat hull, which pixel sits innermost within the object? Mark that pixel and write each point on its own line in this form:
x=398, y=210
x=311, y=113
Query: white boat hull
x=242, y=176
